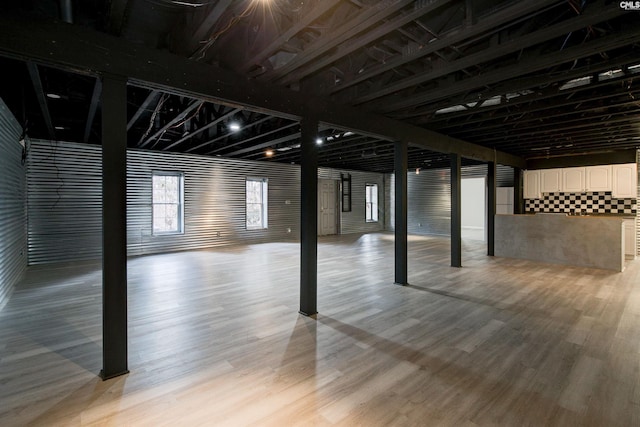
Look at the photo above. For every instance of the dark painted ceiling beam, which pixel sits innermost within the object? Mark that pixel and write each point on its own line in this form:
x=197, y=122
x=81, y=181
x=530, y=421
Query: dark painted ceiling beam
x=82, y=50
x=93, y=107
x=544, y=87
x=351, y=43
x=605, y=119
x=526, y=66
x=448, y=39
x=551, y=119
x=324, y=150
x=42, y=99
x=270, y=144
x=320, y=9
x=574, y=140
x=117, y=16
x=593, y=16
x=205, y=28
x=515, y=107
x=143, y=107
x=260, y=136
x=373, y=16
x=227, y=135
x=578, y=131
x=203, y=128
x=173, y=122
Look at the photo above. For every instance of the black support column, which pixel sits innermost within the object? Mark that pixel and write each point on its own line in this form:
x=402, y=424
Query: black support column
x=401, y=195
x=456, y=210
x=491, y=207
x=114, y=227
x=309, y=218
x=518, y=201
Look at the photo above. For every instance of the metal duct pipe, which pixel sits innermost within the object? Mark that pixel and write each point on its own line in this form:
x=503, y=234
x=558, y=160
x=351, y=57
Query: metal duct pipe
x=66, y=11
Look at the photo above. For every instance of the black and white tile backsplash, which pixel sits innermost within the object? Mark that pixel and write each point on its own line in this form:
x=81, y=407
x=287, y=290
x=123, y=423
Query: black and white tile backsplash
x=584, y=203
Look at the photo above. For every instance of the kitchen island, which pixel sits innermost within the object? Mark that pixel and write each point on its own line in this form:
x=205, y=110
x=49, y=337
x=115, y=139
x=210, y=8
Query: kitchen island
x=584, y=241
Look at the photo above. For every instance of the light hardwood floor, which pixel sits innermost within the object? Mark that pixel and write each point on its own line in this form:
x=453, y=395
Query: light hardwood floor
x=216, y=340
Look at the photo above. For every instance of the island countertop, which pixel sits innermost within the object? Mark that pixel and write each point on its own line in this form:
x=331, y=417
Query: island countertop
x=586, y=241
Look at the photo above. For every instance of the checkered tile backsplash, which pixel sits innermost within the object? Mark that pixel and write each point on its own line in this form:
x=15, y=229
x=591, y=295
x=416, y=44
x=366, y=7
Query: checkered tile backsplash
x=589, y=202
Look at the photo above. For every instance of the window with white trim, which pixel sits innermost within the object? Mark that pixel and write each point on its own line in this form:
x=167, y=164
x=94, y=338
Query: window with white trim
x=256, y=201
x=371, y=199
x=168, y=211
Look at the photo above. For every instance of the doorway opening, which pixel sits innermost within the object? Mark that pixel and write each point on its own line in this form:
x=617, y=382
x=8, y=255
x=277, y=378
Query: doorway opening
x=473, y=208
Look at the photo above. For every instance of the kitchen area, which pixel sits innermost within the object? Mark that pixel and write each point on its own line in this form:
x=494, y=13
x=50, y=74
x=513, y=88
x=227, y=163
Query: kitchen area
x=581, y=216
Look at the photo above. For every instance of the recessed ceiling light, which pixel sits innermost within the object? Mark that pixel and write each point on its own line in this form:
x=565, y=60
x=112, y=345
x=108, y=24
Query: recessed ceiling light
x=268, y=153
x=53, y=96
x=234, y=127
x=60, y=127
x=319, y=141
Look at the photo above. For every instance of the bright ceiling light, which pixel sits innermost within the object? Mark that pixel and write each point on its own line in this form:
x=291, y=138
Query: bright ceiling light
x=53, y=96
x=319, y=141
x=234, y=127
x=268, y=153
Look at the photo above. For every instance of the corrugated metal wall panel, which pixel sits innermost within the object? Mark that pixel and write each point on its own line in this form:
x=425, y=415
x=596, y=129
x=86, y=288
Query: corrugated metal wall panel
x=638, y=210
x=429, y=204
x=389, y=201
x=64, y=184
x=214, y=201
x=66, y=178
x=355, y=221
x=12, y=205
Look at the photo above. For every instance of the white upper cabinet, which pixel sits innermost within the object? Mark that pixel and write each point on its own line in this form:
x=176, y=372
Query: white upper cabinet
x=625, y=179
x=550, y=180
x=573, y=180
x=598, y=178
x=620, y=180
x=531, y=183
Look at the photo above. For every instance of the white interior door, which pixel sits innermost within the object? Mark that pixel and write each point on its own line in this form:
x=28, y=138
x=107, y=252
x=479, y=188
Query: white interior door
x=327, y=220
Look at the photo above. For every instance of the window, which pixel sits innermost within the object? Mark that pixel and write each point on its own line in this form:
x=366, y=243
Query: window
x=372, y=203
x=167, y=203
x=256, y=203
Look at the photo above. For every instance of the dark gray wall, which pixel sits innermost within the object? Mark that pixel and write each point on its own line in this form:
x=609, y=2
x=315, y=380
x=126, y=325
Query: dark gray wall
x=12, y=205
x=64, y=181
x=429, y=205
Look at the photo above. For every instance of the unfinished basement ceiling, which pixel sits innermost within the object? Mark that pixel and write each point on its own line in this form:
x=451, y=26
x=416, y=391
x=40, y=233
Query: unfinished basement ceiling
x=533, y=79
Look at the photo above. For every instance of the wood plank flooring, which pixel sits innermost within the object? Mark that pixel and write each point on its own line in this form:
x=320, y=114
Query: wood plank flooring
x=215, y=340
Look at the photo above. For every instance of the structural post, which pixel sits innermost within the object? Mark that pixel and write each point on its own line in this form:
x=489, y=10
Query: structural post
x=491, y=207
x=401, y=196
x=309, y=217
x=114, y=227
x=456, y=211
x=518, y=201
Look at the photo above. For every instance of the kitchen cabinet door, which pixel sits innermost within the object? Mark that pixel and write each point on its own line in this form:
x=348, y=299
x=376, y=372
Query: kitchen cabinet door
x=531, y=184
x=550, y=180
x=625, y=181
x=598, y=178
x=573, y=180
